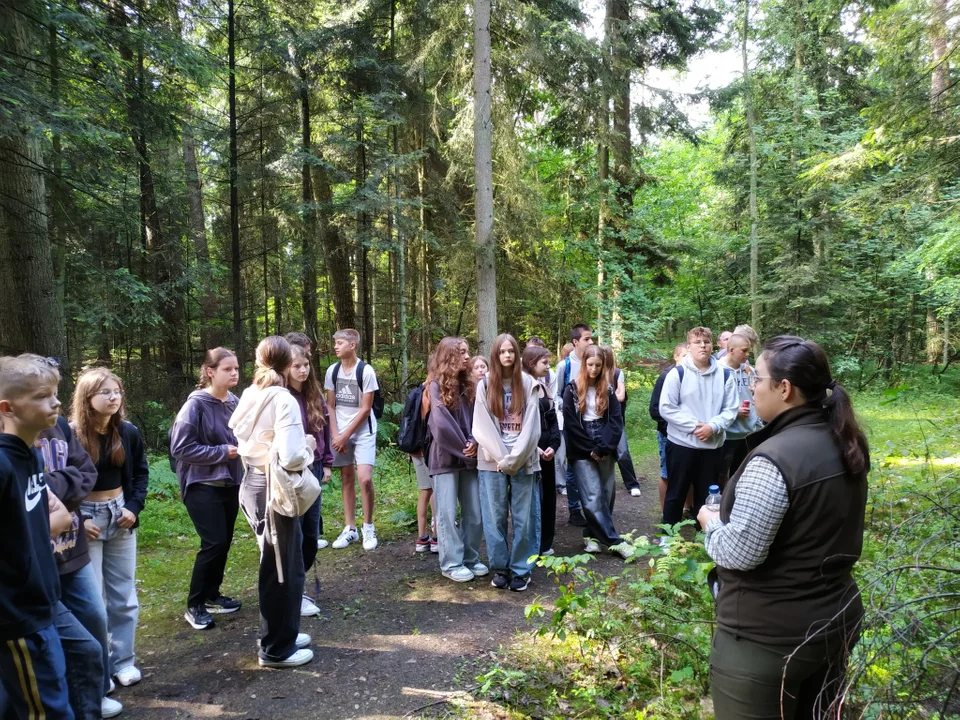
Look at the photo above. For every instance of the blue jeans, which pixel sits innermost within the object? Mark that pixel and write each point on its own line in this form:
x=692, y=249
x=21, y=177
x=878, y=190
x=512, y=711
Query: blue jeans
x=33, y=674
x=84, y=660
x=662, y=447
x=573, y=490
x=520, y=497
x=80, y=592
x=458, y=546
x=113, y=556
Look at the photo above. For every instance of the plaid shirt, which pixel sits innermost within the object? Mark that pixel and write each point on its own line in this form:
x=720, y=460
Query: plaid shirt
x=758, y=509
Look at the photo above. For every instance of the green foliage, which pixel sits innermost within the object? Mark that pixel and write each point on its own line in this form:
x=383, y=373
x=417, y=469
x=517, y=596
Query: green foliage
x=631, y=645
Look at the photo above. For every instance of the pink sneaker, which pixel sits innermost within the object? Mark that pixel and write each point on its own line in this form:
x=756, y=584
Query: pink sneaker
x=434, y=545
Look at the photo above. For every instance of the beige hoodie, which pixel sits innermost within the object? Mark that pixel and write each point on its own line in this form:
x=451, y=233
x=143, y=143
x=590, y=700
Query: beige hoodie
x=486, y=431
x=278, y=429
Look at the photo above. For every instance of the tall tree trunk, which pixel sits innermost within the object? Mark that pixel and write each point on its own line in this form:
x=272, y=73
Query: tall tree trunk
x=235, y=268
x=308, y=259
x=210, y=336
x=400, y=251
x=752, y=141
x=335, y=248
x=617, y=21
x=363, y=236
x=483, y=178
x=163, y=258
x=33, y=320
x=938, y=86
x=603, y=164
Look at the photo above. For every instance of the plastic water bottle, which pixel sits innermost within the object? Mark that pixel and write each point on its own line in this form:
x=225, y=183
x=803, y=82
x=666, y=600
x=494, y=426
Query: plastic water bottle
x=713, y=498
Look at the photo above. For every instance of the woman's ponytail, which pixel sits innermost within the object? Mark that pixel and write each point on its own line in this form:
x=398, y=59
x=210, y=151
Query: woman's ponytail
x=805, y=365
x=846, y=430
x=273, y=358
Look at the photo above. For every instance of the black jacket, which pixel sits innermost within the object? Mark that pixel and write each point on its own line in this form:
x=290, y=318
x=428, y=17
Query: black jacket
x=29, y=583
x=135, y=473
x=655, y=400
x=70, y=475
x=549, y=427
x=579, y=444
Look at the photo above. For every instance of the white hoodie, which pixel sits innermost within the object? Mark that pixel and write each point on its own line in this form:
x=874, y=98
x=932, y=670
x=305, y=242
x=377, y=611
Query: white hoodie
x=704, y=397
x=278, y=428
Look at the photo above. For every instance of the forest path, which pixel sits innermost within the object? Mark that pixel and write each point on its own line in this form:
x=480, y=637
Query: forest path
x=394, y=636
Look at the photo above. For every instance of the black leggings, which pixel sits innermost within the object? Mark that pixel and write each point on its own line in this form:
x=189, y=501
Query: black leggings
x=548, y=503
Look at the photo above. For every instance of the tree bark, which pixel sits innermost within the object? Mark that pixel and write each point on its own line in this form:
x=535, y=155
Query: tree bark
x=335, y=248
x=483, y=178
x=210, y=336
x=235, y=268
x=752, y=142
x=33, y=320
x=938, y=86
x=308, y=259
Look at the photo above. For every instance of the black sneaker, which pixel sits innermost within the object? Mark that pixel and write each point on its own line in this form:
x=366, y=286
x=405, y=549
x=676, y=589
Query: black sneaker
x=223, y=605
x=519, y=583
x=577, y=518
x=198, y=618
x=500, y=581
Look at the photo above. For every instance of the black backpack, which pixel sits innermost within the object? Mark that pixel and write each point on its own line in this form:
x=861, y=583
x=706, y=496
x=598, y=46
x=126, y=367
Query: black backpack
x=377, y=396
x=413, y=435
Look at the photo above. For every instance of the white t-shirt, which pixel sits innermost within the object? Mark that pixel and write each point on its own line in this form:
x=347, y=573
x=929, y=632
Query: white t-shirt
x=591, y=413
x=349, y=395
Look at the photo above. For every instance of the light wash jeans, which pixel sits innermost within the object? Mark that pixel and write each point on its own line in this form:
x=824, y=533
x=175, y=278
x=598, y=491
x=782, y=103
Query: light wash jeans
x=114, y=559
x=80, y=592
x=519, y=496
x=458, y=547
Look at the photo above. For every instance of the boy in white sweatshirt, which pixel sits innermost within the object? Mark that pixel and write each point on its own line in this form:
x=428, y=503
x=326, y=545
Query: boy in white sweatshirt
x=699, y=402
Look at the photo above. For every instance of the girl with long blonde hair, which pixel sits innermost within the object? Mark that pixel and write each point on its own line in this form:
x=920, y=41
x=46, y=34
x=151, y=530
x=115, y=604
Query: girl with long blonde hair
x=111, y=511
x=506, y=426
x=593, y=424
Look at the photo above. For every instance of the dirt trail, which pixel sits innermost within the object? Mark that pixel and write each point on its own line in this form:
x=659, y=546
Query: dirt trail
x=393, y=637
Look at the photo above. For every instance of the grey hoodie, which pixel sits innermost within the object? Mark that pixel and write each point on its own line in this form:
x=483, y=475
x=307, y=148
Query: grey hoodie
x=200, y=440
x=704, y=397
x=743, y=426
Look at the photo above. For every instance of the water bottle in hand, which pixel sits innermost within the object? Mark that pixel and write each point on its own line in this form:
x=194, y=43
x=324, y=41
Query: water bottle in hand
x=713, y=499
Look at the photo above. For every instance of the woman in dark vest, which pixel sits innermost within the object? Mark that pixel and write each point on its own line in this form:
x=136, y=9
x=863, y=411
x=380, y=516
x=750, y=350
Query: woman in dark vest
x=789, y=530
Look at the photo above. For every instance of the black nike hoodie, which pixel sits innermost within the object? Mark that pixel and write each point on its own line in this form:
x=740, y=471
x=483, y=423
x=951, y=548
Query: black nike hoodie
x=29, y=582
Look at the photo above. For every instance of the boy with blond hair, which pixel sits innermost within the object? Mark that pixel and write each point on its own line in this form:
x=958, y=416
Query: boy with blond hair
x=32, y=665
x=351, y=384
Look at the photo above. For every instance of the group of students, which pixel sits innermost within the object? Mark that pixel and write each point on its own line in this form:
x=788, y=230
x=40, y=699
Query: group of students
x=499, y=427
x=70, y=497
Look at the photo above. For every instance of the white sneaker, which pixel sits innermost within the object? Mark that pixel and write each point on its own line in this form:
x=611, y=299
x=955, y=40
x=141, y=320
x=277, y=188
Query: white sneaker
x=321, y=544
x=591, y=545
x=308, y=608
x=370, y=541
x=303, y=640
x=110, y=708
x=623, y=549
x=300, y=657
x=128, y=676
x=635, y=492
x=458, y=574
x=113, y=686
x=479, y=569
x=547, y=553
x=347, y=535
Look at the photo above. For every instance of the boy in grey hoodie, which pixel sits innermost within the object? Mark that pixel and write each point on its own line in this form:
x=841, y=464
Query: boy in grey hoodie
x=747, y=420
x=698, y=402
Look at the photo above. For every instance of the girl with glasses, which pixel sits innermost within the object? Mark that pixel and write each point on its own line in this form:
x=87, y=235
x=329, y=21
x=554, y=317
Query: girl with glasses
x=112, y=509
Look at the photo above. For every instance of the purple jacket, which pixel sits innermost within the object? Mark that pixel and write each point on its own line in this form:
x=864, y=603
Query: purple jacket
x=324, y=452
x=451, y=430
x=199, y=440
x=70, y=474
